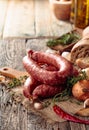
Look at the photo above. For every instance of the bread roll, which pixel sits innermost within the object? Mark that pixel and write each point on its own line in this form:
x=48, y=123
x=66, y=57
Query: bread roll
x=80, y=50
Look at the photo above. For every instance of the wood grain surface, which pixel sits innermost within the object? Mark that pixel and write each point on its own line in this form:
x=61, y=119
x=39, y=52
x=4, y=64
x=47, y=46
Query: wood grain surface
x=29, y=18
x=3, y=9
x=13, y=116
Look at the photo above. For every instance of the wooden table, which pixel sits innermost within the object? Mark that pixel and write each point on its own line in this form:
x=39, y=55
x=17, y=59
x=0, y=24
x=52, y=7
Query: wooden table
x=14, y=116
x=29, y=18
x=26, y=24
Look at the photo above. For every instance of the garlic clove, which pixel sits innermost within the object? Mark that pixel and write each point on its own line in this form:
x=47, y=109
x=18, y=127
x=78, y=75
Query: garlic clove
x=66, y=55
x=38, y=105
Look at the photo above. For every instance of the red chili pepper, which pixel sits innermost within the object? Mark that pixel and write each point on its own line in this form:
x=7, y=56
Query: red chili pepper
x=67, y=116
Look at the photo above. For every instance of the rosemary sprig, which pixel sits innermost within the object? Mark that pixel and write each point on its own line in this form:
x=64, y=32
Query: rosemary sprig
x=16, y=82
x=65, y=39
x=63, y=96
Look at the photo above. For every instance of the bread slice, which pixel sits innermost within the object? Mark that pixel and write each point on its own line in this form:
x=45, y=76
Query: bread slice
x=80, y=50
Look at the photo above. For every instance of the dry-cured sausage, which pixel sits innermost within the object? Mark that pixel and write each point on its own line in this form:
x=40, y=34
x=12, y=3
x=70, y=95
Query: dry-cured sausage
x=47, y=67
x=44, y=76
x=46, y=91
x=65, y=68
x=60, y=63
x=29, y=86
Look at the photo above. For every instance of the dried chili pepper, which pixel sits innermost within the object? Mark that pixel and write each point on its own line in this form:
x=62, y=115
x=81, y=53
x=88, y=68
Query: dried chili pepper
x=67, y=116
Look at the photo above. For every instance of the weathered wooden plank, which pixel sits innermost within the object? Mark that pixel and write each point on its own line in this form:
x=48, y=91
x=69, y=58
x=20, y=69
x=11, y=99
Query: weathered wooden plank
x=64, y=126
x=42, y=18
x=59, y=27
x=77, y=126
x=12, y=52
x=14, y=116
x=20, y=19
x=37, y=44
x=3, y=10
x=46, y=23
x=0, y=107
x=32, y=18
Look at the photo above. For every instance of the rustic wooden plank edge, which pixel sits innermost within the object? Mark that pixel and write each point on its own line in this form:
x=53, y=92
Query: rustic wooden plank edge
x=29, y=38
x=3, y=13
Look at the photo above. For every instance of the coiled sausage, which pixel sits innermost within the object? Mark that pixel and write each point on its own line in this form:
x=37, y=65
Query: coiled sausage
x=46, y=91
x=64, y=67
x=29, y=85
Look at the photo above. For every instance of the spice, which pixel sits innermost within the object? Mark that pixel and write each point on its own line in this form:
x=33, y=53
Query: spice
x=68, y=116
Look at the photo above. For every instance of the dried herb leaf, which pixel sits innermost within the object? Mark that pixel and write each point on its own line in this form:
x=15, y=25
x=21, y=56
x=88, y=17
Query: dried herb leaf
x=16, y=82
x=65, y=39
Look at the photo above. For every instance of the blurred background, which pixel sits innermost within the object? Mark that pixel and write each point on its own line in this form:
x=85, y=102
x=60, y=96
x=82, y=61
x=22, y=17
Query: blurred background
x=29, y=19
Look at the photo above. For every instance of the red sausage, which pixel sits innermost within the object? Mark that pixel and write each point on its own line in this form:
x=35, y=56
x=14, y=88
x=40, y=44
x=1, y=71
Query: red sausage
x=29, y=85
x=47, y=67
x=44, y=76
x=60, y=63
x=63, y=66
x=46, y=91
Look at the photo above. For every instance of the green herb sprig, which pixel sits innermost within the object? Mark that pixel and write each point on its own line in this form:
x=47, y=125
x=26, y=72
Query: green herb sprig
x=16, y=82
x=74, y=79
x=65, y=39
x=65, y=95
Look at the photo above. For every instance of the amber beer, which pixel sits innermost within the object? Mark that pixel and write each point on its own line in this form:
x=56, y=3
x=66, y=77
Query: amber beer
x=80, y=13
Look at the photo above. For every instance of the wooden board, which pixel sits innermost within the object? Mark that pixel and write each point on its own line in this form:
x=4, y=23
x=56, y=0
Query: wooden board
x=20, y=19
x=42, y=18
x=3, y=9
x=59, y=27
x=30, y=19
x=14, y=115
x=12, y=73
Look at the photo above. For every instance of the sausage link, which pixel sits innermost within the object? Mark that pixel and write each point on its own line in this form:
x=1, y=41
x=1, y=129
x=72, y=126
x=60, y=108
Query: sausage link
x=47, y=67
x=44, y=76
x=46, y=91
x=29, y=85
x=65, y=68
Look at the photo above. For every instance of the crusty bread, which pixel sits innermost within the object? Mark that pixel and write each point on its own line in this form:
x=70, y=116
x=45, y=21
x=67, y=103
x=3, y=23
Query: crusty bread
x=80, y=50
x=82, y=62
